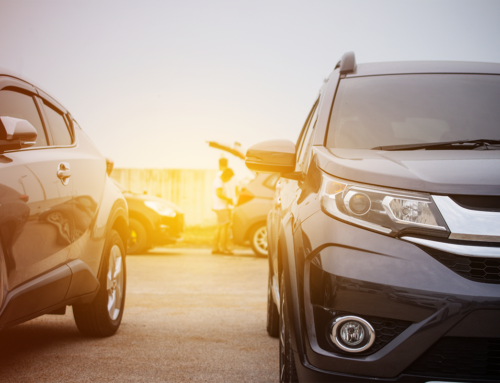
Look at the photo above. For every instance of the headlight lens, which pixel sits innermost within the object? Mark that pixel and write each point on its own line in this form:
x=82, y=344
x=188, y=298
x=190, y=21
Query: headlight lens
x=388, y=211
x=160, y=208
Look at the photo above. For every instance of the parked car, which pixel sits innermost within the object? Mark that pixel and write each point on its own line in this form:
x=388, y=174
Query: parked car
x=384, y=237
x=63, y=223
x=254, y=203
x=153, y=221
x=250, y=213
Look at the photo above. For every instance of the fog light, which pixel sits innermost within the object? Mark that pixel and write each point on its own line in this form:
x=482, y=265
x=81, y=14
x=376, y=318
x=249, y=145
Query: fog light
x=352, y=334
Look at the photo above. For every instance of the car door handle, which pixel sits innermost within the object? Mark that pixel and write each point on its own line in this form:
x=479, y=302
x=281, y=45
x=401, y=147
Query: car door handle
x=63, y=172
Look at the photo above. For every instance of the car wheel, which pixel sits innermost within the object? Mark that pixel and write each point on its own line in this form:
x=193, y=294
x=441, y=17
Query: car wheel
x=138, y=237
x=258, y=240
x=273, y=320
x=103, y=315
x=288, y=372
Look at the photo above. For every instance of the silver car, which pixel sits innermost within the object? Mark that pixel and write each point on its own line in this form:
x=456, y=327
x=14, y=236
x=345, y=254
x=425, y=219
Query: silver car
x=250, y=214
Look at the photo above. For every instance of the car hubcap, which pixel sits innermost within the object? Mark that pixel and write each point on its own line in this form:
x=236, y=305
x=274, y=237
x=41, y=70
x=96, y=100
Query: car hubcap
x=115, y=282
x=260, y=240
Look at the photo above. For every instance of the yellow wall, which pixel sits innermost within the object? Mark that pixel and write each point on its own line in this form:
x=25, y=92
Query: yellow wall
x=190, y=189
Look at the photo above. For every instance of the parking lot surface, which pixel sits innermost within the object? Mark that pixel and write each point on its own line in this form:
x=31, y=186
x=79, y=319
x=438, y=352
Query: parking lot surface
x=190, y=317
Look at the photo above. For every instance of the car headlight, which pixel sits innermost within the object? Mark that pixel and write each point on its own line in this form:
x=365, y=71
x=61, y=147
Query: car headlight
x=160, y=208
x=388, y=211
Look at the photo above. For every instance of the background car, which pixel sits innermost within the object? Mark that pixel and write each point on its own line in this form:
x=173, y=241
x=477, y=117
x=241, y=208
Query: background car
x=384, y=239
x=250, y=213
x=254, y=203
x=63, y=223
x=153, y=221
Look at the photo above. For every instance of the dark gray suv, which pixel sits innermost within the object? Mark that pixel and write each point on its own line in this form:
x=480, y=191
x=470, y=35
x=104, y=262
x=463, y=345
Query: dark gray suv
x=384, y=237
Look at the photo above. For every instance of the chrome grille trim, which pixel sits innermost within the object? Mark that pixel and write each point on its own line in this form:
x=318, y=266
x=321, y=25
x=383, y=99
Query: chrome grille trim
x=468, y=251
x=466, y=224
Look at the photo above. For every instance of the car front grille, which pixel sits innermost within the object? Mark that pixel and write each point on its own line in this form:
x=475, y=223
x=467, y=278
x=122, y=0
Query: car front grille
x=479, y=269
x=460, y=358
x=385, y=329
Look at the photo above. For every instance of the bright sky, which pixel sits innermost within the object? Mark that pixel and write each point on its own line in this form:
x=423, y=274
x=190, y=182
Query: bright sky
x=150, y=81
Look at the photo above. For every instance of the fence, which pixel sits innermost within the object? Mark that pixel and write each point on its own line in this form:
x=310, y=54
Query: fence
x=190, y=189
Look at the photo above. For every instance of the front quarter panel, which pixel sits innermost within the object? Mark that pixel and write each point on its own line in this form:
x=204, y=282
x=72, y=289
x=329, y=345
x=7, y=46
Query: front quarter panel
x=89, y=246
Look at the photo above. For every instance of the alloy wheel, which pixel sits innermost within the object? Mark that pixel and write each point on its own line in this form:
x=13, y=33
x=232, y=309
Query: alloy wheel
x=260, y=240
x=114, y=283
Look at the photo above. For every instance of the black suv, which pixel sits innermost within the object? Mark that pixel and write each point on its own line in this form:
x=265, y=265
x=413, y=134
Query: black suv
x=63, y=223
x=384, y=238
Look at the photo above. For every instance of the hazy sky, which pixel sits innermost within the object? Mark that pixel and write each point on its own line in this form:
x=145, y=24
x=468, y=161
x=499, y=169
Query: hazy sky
x=150, y=81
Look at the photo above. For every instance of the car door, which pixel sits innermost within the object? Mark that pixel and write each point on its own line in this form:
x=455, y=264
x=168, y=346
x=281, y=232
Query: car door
x=287, y=190
x=36, y=220
x=88, y=169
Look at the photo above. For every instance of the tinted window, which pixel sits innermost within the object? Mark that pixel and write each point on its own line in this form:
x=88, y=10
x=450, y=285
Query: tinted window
x=303, y=155
x=412, y=109
x=19, y=105
x=58, y=127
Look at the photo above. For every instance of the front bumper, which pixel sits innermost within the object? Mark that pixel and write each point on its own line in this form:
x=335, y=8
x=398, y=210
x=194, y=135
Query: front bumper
x=168, y=230
x=426, y=316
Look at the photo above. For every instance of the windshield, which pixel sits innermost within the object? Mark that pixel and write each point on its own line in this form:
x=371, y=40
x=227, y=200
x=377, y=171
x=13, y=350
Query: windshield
x=376, y=111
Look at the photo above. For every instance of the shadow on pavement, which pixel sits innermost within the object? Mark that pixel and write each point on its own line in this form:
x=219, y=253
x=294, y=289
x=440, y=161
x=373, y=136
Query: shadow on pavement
x=33, y=338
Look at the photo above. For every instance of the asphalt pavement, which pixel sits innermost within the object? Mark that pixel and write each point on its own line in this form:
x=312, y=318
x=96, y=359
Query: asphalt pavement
x=189, y=317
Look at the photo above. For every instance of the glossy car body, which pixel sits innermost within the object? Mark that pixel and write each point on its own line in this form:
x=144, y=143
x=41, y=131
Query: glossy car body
x=432, y=296
x=57, y=210
x=250, y=213
x=159, y=227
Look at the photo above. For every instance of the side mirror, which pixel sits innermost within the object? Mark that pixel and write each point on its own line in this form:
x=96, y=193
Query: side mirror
x=16, y=133
x=274, y=156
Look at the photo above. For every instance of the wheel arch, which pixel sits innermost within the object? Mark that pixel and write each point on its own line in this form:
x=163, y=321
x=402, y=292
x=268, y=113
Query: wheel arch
x=287, y=266
x=118, y=218
x=253, y=227
x=121, y=226
x=145, y=221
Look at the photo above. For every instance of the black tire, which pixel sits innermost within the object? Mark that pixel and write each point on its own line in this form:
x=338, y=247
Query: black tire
x=138, y=237
x=288, y=372
x=258, y=240
x=273, y=316
x=95, y=319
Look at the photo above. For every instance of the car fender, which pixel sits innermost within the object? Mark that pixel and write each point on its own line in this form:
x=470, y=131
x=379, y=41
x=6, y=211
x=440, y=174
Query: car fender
x=287, y=266
x=113, y=214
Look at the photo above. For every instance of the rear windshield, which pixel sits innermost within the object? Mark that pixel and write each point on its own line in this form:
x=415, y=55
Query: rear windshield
x=411, y=109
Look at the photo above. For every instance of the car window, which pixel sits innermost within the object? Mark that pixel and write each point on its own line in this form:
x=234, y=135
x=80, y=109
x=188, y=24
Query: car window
x=303, y=155
x=20, y=105
x=304, y=128
x=58, y=126
x=270, y=181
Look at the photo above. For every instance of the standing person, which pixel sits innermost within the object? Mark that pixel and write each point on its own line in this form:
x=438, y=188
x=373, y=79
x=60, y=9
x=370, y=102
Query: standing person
x=222, y=165
x=231, y=190
x=221, y=206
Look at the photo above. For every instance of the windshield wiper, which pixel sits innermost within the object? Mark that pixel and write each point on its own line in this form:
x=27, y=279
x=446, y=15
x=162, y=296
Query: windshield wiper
x=459, y=144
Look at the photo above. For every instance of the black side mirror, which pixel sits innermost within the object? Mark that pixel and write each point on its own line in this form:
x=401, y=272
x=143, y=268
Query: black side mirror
x=16, y=133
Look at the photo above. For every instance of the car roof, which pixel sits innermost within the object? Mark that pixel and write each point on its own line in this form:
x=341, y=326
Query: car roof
x=413, y=67
x=11, y=73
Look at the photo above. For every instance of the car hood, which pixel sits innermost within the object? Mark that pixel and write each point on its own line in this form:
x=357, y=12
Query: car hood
x=129, y=196
x=472, y=172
